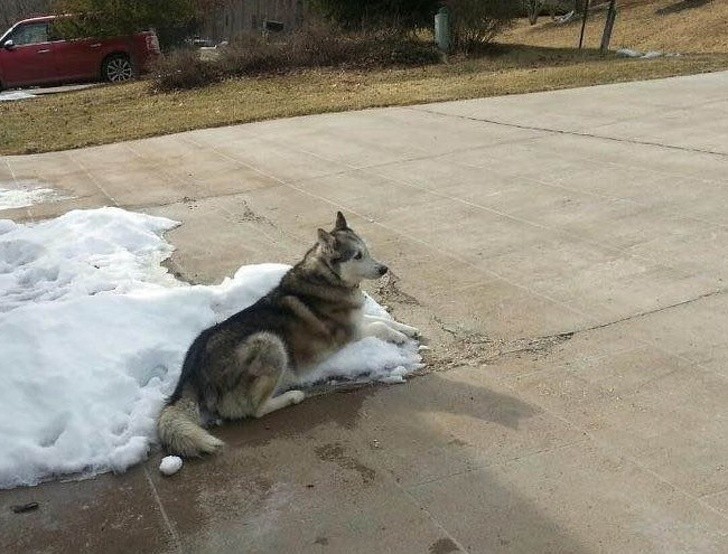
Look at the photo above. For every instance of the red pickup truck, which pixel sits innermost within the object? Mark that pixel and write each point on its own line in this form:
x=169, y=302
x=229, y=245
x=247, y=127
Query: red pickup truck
x=32, y=53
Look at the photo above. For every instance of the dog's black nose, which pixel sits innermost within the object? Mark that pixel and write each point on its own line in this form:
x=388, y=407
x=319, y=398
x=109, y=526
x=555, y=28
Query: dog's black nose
x=383, y=269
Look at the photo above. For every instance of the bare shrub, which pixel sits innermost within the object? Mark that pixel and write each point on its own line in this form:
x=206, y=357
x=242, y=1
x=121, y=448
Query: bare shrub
x=476, y=22
x=183, y=69
x=315, y=46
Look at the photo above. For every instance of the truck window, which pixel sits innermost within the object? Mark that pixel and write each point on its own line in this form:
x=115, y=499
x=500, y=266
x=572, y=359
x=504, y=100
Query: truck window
x=34, y=33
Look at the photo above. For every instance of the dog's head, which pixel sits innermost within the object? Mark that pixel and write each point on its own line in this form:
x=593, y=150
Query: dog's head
x=347, y=254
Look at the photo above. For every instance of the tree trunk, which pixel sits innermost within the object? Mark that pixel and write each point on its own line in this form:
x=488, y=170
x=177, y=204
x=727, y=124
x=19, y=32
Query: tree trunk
x=533, y=9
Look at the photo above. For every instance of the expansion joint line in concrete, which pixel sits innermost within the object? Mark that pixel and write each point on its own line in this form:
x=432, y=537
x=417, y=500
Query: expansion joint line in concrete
x=574, y=133
x=167, y=522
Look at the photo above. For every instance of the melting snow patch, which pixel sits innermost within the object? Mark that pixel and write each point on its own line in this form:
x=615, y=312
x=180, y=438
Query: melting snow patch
x=93, y=331
x=629, y=53
x=15, y=95
x=26, y=194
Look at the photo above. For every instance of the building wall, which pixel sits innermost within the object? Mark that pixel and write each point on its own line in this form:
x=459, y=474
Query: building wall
x=233, y=18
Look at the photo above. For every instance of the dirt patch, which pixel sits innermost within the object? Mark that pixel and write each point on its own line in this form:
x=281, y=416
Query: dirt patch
x=452, y=345
x=245, y=214
x=469, y=348
x=388, y=291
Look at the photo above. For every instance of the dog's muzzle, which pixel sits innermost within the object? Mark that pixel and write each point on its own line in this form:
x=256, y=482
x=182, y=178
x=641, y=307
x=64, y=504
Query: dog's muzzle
x=383, y=269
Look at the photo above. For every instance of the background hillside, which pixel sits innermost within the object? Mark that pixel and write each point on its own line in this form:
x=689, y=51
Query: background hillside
x=695, y=26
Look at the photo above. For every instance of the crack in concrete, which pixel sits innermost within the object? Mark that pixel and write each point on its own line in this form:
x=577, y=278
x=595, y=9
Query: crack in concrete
x=643, y=314
x=473, y=348
x=577, y=133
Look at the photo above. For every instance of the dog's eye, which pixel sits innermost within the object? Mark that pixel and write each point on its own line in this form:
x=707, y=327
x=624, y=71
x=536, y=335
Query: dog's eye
x=357, y=256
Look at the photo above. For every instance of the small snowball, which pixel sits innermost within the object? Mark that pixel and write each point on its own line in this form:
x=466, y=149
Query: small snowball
x=170, y=465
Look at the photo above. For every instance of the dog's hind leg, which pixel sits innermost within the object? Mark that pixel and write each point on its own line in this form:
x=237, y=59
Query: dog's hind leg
x=180, y=429
x=281, y=401
x=259, y=363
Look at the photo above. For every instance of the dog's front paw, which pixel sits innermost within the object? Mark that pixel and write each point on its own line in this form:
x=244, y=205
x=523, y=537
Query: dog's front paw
x=411, y=332
x=395, y=337
x=383, y=331
x=295, y=396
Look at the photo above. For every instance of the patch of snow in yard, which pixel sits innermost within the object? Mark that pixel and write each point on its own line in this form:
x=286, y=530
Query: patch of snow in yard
x=9, y=96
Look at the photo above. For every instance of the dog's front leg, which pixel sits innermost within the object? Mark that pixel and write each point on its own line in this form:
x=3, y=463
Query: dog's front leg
x=281, y=401
x=382, y=331
x=411, y=332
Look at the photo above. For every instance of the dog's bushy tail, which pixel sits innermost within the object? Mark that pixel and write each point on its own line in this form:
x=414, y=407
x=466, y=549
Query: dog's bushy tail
x=180, y=429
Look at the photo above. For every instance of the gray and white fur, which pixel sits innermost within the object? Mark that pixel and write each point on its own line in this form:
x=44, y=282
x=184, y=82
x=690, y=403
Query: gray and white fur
x=232, y=369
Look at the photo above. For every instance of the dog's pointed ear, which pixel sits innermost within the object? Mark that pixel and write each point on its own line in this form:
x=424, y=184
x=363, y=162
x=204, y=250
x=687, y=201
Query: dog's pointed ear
x=340, y=222
x=326, y=239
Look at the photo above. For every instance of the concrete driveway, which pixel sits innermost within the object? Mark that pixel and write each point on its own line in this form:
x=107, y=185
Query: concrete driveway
x=565, y=252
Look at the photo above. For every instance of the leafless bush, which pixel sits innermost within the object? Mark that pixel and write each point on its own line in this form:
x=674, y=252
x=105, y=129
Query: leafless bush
x=476, y=22
x=315, y=46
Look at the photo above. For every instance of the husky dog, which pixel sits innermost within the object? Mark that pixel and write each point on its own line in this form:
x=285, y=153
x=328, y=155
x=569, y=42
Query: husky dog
x=232, y=370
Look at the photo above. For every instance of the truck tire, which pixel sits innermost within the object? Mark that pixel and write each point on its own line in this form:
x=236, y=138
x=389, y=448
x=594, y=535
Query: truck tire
x=117, y=68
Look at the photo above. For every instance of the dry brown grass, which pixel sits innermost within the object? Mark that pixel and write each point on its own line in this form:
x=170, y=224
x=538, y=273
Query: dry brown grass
x=548, y=62
x=125, y=112
x=663, y=25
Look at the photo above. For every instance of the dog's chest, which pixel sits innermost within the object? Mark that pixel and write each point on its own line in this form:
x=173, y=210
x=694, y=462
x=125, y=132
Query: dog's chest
x=318, y=336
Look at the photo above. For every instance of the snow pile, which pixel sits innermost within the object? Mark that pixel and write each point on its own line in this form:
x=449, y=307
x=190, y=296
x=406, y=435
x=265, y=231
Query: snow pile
x=26, y=194
x=79, y=255
x=93, y=332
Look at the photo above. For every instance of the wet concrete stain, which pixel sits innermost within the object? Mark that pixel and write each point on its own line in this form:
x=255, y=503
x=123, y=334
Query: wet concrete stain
x=341, y=407
x=82, y=516
x=444, y=546
x=336, y=452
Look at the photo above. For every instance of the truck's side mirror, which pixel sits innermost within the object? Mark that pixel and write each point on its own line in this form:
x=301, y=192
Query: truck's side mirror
x=8, y=44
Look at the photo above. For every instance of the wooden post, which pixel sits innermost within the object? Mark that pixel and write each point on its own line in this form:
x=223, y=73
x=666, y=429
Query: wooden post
x=609, y=26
